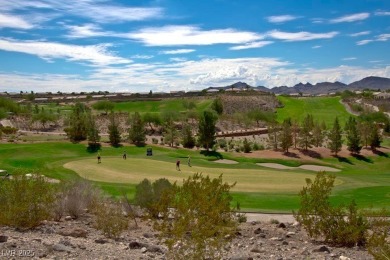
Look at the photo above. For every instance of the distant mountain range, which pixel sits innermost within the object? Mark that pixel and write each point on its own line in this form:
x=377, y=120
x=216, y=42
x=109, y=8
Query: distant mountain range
x=373, y=83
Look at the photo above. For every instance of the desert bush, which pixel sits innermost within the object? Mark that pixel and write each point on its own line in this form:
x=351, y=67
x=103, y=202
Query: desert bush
x=154, y=140
x=110, y=218
x=222, y=143
x=246, y=146
x=255, y=147
x=338, y=225
x=9, y=130
x=196, y=218
x=378, y=243
x=77, y=196
x=148, y=194
x=25, y=201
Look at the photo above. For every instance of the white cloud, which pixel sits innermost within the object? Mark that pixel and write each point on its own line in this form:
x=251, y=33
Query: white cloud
x=176, y=35
x=363, y=42
x=98, y=11
x=383, y=37
x=178, y=51
x=85, y=31
x=12, y=21
x=316, y=46
x=145, y=57
x=360, y=33
x=251, y=45
x=349, y=58
x=281, y=18
x=351, y=18
x=382, y=13
x=177, y=59
x=92, y=54
x=300, y=36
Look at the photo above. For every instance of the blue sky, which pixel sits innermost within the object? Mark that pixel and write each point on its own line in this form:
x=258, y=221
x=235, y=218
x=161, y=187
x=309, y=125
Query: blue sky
x=163, y=45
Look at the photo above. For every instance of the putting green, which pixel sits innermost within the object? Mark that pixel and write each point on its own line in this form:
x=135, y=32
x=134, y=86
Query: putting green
x=117, y=170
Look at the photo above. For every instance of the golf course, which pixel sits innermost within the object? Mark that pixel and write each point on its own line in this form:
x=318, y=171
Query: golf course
x=258, y=188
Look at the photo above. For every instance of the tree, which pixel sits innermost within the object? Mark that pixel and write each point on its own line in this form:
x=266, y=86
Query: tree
x=78, y=123
x=273, y=138
x=375, y=137
x=137, y=130
x=93, y=131
x=188, y=139
x=259, y=115
x=365, y=132
x=318, y=135
x=104, y=105
x=171, y=135
x=151, y=119
x=305, y=135
x=113, y=131
x=353, y=136
x=217, y=106
x=285, y=136
x=247, y=146
x=202, y=220
x=335, y=140
x=44, y=117
x=207, y=129
x=295, y=132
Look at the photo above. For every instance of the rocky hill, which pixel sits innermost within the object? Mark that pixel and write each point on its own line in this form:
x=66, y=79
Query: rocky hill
x=77, y=239
x=374, y=83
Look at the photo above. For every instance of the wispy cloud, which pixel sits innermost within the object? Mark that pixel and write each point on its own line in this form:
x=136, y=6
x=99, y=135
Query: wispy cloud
x=359, y=34
x=281, y=18
x=178, y=51
x=97, y=55
x=191, y=35
x=300, y=36
x=316, y=46
x=351, y=18
x=98, y=11
x=382, y=13
x=144, y=57
x=12, y=21
x=379, y=38
x=349, y=58
x=177, y=59
x=363, y=42
x=251, y=45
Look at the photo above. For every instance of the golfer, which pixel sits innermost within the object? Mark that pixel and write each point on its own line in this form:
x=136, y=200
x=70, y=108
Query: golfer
x=124, y=155
x=189, y=161
x=178, y=165
x=99, y=157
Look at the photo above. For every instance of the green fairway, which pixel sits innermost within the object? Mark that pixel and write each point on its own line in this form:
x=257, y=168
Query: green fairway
x=133, y=171
x=160, y=105
x=322, y=108
x=364, y=179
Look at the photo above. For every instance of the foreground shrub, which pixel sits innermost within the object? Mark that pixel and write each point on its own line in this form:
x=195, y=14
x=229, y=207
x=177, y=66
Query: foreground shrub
x=25, y=201
x=343, y=226
x=75, y=197
x=110, y=218
x=379, y=240
x=148, y=194
x=196, y=218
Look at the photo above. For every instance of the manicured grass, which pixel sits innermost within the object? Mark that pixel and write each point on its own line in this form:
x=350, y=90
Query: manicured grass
x=159, y=106
x=322, y=108
x=366, y=180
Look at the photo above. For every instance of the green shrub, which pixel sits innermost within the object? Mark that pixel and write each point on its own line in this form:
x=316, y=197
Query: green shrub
x=222, y=143
x=246, y=146
x=201, y=221
x=25, y=201
x=148, y=194
x=343, y=226
x=110, y=219
x=378, y=241
x=256, y=147
x=154, y=140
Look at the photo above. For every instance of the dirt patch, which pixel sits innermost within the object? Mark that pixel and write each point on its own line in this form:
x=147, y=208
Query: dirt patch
x=308, y=167
x=225, y=161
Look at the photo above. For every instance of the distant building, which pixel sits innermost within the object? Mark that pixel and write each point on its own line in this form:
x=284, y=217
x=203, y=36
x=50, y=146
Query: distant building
x=382, y=96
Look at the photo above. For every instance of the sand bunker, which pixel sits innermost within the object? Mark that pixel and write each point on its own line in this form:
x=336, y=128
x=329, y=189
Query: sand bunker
x=225, y=161
x=308, y=167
